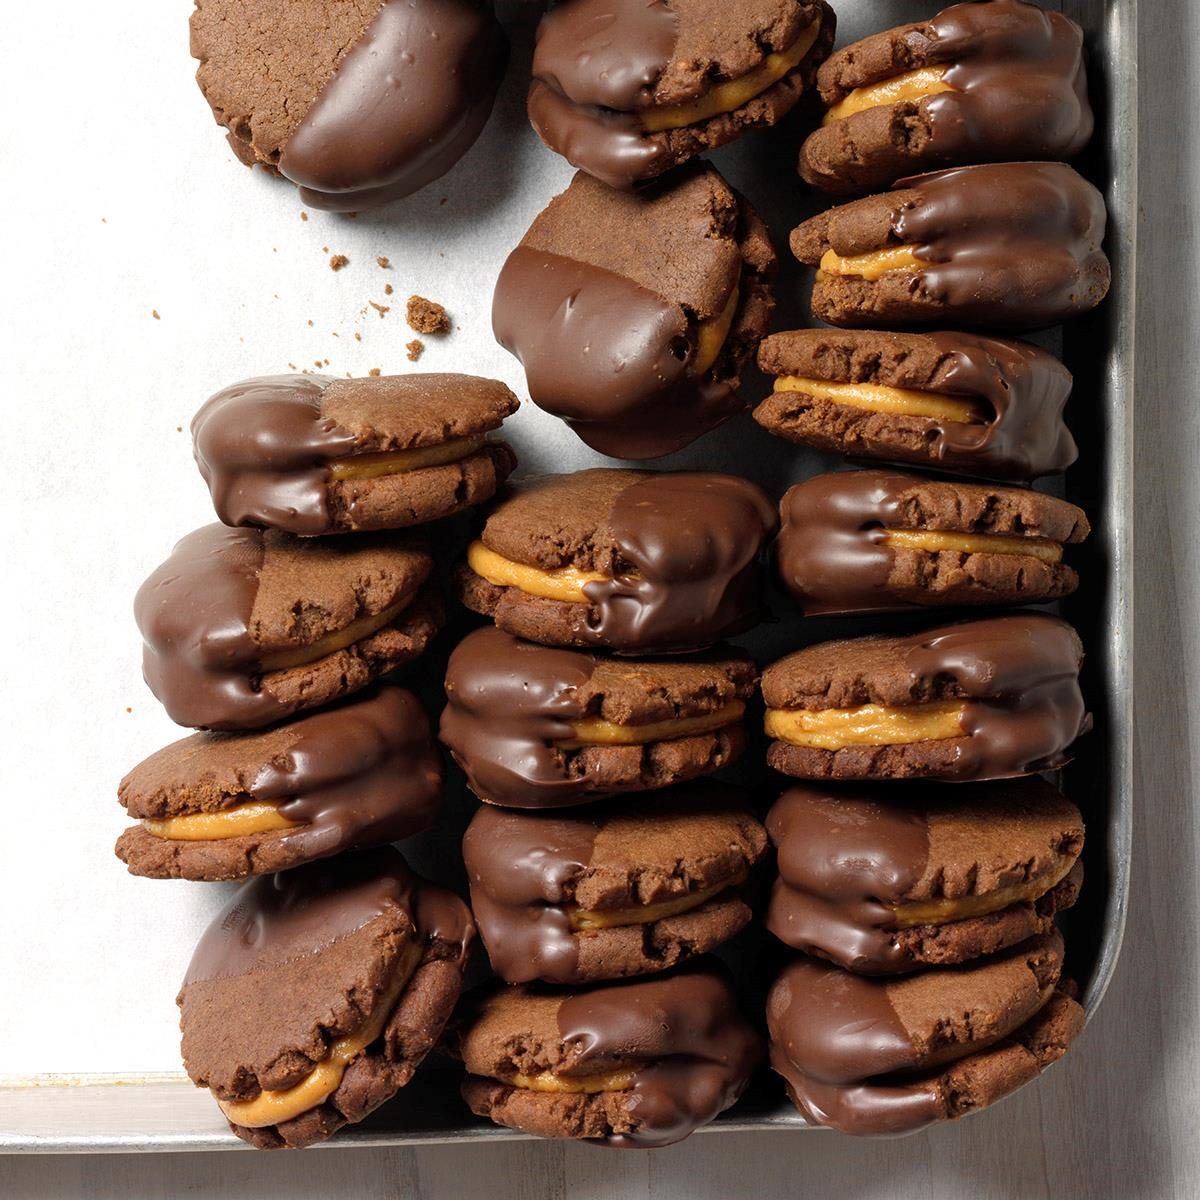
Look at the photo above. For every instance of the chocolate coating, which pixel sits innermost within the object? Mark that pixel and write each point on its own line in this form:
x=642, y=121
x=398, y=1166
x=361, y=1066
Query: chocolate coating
x=408, y=100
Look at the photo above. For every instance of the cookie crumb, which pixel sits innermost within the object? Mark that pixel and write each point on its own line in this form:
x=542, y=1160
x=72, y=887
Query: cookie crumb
x=388, y=289
x=384, y=261
x=178, y=428
x=128, y=709
x=415, y=349
x=357, y=336
x=374, y=372
x=337, y=262
x=303, y=215
x=426, y=316
x=154, y=314
x=310, y=324
x=381, y=309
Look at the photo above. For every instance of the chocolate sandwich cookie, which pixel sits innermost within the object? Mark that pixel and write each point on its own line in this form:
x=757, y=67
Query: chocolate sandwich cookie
x=536, y=727
x=312, y=455
x=905, y=876
x=987, y=699
x=314, y=995
x=634, y=315
x=874, y=541
x=1012, y=245
x=632, y=561
x=358, y=102
x=633, y=1065
x=244, y=628
x=999, y=81
x=627, y=889
x=220, y=806
x=885, y=1057
x=972, y=405
x=627, y=89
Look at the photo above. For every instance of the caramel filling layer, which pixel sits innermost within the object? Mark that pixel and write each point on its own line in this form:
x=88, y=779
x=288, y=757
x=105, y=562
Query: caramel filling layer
x=255, y=816
x=547, y=1081
x=395, y=462
x=928, y=912
x=911, y=85
x=596, y=732
x=644, y=914
x=725, y=97
x=563, y=583
x=867, y=725
x=935, y=540
x=872, y=265
x=271, y=1107
x=877, y=397
x=711, y=336
x=333, y=642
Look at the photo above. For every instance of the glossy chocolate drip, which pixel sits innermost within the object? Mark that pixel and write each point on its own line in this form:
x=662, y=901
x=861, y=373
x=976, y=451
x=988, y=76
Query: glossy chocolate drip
x=406, y=103
x=1032, y=231
x=608, y=356
x=263, y=448
x=846, y=858
x=687, y=545
x=698, y=1048
x=362, y=774
x=509, y=702
x=194, y=613
x=522, y=868
x=279, y=918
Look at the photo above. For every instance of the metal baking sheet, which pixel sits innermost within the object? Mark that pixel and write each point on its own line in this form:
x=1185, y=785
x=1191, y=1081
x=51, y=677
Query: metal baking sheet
x=161, y=270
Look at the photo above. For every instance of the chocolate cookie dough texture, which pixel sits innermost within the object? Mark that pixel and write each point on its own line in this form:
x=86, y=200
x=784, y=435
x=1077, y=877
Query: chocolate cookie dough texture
x=630, y=561
x=245, y=628
x=357, y=102
x=891, y=1056
x=635, y=1064
x=893, y=878
x=613, y=891
x=999, y=81
x=627, y=89
x=218, y=806
x=635, y=314
x=988, y=699
x=539, y=727
x=314, y=995
x=312, y=455
x=956, y=402
x=1007, y=245
x=875, y=541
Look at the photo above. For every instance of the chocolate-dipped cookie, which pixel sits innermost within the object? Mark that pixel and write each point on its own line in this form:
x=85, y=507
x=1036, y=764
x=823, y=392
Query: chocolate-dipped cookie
x=902, y=876
x=611, y=891
x=637, y=1064
x=891, y=1056
x=220, y=806
x=874, y=541
x=244, y=628
x=357, y=103
x=540, y=727
x=988, y=699
x=634, y=315
x=311, y=455
x=314, y=995
x=999, y=81
x=955, y=401
x=627, y=89
x=1007, y=245
x=630, y=561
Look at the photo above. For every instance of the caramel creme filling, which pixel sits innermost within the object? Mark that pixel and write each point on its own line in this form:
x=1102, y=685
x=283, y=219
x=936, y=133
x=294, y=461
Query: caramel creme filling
x=643, y=914
x=925, y=912
x=711, y=336
x=593, y=731
x=333, y=642
x=867, y=725
x=911, y=85
x=937, y=540
x=255, y=816
x=872, y=265
x=563, y=583
x=547, y=1081
x=725, y=97
x=880, y=398
x=395, y=462
x=271, y=1107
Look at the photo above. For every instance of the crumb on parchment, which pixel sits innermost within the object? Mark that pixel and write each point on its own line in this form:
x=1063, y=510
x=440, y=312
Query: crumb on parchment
x=426, y=316
x=415, y=349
